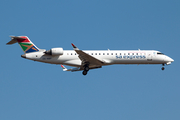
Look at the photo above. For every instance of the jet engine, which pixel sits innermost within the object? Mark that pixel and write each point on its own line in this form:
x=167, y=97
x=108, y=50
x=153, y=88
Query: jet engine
x=54, y=51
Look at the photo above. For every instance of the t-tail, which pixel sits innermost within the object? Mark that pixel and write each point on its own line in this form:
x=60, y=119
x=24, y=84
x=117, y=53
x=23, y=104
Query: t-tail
x=25, y=43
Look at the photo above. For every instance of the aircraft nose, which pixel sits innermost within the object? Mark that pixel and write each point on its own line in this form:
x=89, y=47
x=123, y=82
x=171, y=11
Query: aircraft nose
x=171, y=60
x=168, y=59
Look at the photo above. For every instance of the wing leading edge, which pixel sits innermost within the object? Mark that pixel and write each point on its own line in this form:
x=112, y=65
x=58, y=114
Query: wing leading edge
x=88, y=59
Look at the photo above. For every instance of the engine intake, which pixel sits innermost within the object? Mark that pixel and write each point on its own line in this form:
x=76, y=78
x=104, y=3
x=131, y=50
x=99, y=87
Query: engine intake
x=54, y=51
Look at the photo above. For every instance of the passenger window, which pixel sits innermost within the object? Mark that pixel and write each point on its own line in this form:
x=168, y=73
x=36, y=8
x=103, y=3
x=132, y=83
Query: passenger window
x=111, y=53
x=107, y=53
x=99, y=53
x=95, y=53
x=103, y=53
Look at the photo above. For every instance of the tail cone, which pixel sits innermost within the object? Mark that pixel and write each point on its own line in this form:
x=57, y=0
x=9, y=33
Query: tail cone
x=23, y=56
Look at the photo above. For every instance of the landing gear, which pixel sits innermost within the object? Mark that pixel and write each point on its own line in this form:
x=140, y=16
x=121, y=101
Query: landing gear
x=84, y=72
x=162, y=67
x=86, y=69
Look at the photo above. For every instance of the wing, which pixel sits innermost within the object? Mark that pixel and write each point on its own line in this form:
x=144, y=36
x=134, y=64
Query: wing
x=88, y=59
x=72, y=70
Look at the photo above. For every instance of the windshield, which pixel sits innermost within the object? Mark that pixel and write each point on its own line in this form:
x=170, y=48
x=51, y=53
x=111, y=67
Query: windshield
x=159, y=53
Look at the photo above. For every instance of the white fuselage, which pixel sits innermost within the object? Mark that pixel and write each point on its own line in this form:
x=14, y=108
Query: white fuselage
x=84, y=60
x=109, y=57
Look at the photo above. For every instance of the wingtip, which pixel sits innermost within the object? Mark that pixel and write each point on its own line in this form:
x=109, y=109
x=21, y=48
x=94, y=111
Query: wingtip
x=73, y=45
x=62, y=66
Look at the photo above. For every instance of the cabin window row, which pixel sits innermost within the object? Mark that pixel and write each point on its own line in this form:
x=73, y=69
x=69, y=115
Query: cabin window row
x=110, y=53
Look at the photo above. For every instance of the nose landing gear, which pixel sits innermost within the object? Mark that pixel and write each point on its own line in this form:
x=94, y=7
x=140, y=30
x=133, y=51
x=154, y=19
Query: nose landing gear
x=162, y=67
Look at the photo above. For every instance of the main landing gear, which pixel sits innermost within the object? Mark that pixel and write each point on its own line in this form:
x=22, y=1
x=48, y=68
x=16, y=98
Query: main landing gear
x=162, y=67
x=86, y=69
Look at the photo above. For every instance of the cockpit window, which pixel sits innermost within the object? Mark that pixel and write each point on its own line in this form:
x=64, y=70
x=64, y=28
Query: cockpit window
x=160, y=53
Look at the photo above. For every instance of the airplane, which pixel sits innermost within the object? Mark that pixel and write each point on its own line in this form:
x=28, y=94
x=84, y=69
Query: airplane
x=88, y=59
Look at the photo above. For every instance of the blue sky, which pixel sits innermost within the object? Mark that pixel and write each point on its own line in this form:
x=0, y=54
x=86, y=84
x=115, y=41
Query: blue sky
x=32, y=90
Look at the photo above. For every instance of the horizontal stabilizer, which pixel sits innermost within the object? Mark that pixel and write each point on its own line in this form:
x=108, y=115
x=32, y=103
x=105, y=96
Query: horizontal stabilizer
x=17, y=37
x=14, y=40
x=11, y=42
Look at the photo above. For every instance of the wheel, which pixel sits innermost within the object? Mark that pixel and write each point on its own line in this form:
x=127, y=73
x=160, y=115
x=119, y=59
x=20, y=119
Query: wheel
x=86, y=68
x=162, y=68
x=84, y=72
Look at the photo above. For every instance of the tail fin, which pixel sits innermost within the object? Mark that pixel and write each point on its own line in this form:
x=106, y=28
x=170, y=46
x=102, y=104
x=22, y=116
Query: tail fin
x=25, y=43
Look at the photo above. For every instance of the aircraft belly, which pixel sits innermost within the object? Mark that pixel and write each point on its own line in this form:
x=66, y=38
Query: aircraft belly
x=75, y=63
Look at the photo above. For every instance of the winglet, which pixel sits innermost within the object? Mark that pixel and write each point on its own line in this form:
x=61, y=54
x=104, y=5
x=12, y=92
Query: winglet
x=72, y=70
x=75, y=48
x=64, y=69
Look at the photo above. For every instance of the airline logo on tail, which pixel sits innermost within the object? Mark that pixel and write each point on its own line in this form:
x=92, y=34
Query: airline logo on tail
x=27, y=45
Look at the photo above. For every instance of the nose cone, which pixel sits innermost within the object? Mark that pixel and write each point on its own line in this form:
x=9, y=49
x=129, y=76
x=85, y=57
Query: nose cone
x=168, y=59
x=172, y=60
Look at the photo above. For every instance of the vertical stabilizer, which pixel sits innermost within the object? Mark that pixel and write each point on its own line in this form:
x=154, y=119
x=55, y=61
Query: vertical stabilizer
x=25, y=43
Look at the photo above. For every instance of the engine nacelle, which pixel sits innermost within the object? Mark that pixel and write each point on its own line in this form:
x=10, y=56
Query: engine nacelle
x=55, y=51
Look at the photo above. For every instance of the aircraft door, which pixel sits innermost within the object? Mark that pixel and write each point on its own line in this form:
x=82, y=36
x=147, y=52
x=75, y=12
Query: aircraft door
x=149, y=56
